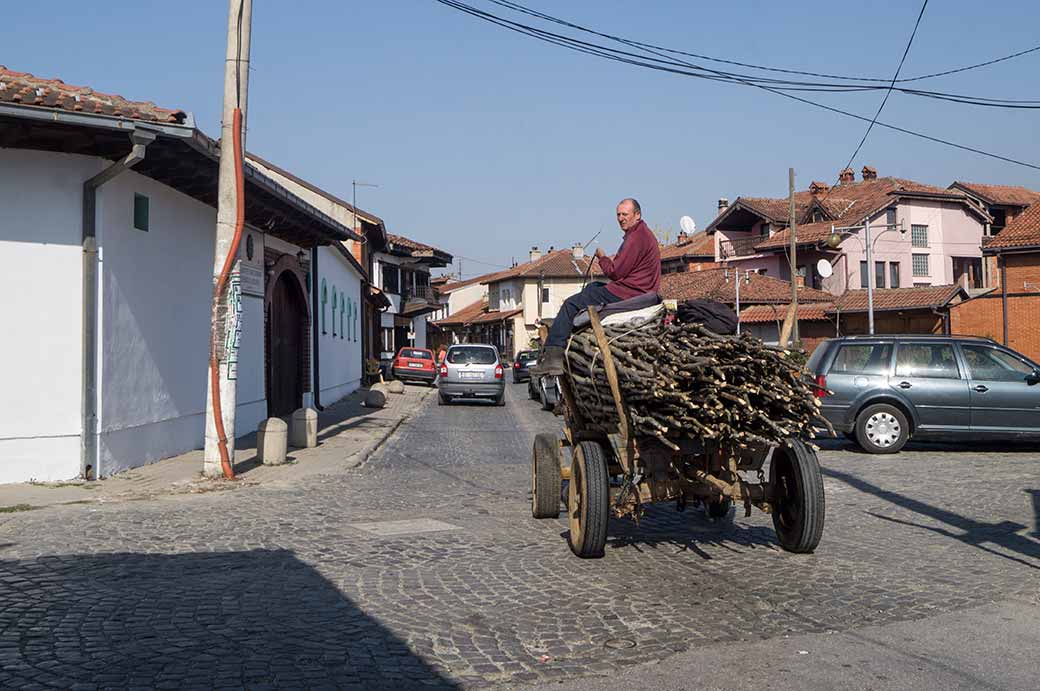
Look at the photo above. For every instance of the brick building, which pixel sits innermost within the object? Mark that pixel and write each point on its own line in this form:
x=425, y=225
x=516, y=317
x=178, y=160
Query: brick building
x=1011, y=313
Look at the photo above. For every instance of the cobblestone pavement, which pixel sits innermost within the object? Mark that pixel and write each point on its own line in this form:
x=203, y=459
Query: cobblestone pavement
x=317, y=585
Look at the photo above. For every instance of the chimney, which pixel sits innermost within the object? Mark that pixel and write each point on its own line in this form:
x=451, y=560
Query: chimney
x=817, y=188
x=535, y=254
x=800, y=281
x=683, y=238
x=846, y=176
x=578, y=252
x=869, y=173
x=723, y=204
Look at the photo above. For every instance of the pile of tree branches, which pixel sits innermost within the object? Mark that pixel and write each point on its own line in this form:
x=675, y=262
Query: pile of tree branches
x=682, y=380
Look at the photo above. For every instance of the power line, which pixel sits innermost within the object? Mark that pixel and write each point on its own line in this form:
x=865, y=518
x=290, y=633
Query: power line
x=534, y=13
x=906, y=51
x=600, y=51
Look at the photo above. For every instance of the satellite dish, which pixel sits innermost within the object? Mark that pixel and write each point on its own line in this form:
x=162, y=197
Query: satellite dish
x=824, y=268
x=687, y=225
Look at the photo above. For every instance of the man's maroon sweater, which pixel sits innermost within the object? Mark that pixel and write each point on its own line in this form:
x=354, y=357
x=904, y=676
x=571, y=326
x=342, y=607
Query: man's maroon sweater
x=636, y=268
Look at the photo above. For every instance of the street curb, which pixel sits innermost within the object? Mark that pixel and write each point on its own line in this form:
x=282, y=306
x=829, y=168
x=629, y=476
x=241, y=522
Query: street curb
x=361, y=456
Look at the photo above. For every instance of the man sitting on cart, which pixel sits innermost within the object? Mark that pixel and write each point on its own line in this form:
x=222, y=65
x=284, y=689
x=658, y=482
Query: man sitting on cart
x=633, y=271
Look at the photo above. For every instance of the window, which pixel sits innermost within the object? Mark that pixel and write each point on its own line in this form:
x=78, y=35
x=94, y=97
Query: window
x=864, y=275
x=928, y=360
x=991, y=364
x=890, y=216
x=893, y=274
x=494, y=299
x=335, y=306
x=387, y=335
x=141, y=212
x=324, y=301
x=763, y=230
x=391, y=279
x=416, y=354
x=919, y=236
x=879, y=274
x=545, y=295
x=863, y=358
x=921, y=266
x=999, y=220
x=472, y=355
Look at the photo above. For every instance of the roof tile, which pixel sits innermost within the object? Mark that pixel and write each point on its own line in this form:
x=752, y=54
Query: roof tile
x=1009, y=195
x=1023, y=231
x=713, y=284
x=27, y=89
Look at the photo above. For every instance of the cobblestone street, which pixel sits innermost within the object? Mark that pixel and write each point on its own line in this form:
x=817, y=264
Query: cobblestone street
x=319, y=584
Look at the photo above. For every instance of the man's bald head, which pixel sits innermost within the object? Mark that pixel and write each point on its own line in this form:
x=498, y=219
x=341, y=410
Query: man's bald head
x=629, y=214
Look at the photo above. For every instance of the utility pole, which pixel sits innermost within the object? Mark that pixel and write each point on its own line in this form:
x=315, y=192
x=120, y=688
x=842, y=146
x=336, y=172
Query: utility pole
x=794, y=261
x=220, y=448
x=870, y=276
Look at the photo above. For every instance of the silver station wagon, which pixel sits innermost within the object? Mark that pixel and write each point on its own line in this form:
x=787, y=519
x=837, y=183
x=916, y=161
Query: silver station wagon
x=883, y=390
x=471, y=371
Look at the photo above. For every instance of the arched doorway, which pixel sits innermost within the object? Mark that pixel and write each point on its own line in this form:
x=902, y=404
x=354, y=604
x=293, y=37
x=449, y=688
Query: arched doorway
x=287, y=336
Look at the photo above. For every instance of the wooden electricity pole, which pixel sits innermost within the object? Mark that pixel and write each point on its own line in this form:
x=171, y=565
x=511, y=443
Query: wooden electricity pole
x=226, y=304
x=790, y=327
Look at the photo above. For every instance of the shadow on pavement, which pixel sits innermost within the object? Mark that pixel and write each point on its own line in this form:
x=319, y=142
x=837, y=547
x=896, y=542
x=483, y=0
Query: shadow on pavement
x=967, y=530
x=1035, y=494
x=258, y=618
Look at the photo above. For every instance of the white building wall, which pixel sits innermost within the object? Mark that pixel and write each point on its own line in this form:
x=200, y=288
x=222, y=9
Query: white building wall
x=156, y=289
x=41, y=355
x=340, y=355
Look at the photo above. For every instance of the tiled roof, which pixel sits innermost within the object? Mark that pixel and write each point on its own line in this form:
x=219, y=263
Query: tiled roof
x=413, y=247
x=712, y=283
x=25, y=89
x=848, y=202
x=918, y=297
x=483, y=278
x=813, y=311
x=476, y=313
x=1009, y=195
x=1023, y=231
x=697, y=245
x=556, y=264
x=808, y=234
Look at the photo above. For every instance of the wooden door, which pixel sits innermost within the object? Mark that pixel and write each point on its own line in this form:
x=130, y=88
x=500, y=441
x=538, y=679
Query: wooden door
x=285, y=365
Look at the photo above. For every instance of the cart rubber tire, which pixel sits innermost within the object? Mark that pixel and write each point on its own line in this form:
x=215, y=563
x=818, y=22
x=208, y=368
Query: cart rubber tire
x=532, y=393
x=588, y=500
x=545, y=477
x=889, y=416
x=798, y=504
x=718, y=508
x=548, y=403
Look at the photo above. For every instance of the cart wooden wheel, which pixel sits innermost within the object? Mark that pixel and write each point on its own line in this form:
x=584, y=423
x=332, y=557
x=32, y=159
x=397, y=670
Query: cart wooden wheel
x=545, y=477
x=797, y=488
x=588, y=500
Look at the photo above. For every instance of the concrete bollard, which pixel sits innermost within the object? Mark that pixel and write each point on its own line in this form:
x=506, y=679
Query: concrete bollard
x=303, y=428
x=395, y=386
x=271, y=438
x=375, y=398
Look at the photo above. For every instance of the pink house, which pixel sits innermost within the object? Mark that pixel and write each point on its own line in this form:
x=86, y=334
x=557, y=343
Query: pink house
x=938, y=242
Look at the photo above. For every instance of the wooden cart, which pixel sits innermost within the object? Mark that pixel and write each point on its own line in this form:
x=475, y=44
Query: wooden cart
x=614, y=472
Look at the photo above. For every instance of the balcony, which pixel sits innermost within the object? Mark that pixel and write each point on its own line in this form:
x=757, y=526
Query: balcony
x=739, y=247
x=418, y=294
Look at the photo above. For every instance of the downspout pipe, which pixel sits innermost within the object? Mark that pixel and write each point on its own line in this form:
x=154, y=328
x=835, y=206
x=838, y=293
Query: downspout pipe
x=140, y=139
x=315, y=342
x=1003, y=293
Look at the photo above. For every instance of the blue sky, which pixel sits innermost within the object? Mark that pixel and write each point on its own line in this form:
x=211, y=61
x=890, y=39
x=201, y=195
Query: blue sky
x=485, y=143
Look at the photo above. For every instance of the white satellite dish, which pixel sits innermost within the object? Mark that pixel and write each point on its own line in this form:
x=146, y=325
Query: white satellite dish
x=824, y=268
x=687, y=225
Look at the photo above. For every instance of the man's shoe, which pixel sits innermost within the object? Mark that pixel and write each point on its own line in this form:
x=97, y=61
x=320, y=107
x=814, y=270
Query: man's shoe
x=551, y=362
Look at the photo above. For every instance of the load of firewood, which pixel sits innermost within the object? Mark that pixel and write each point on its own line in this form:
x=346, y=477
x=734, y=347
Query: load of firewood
x=682, y=380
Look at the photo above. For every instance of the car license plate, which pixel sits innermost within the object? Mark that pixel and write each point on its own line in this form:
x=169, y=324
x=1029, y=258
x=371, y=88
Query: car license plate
x=472, y=375
x=415, y=364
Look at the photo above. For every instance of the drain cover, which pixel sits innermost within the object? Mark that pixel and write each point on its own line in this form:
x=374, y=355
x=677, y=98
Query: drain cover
x=407, y=527
x=619, y=643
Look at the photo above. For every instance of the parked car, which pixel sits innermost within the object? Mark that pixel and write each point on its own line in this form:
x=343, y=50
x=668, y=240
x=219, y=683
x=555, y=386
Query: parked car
x=414, y=364
x=521, y=365
x=883, y=390
x=472, y=371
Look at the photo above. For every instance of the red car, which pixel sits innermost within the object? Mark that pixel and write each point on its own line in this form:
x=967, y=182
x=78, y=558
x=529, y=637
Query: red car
x=414, y=364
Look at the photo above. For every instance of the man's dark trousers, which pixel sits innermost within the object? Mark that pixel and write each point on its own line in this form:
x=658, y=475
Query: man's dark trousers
x=593, y=294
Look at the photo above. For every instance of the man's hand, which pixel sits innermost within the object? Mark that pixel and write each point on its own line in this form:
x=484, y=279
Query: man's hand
x=599, y=252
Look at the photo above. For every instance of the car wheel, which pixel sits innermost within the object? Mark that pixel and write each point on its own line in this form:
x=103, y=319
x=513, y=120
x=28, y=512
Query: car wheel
x=882, y=428
x=532, y=392
x=441, y=400
x=501, y=400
